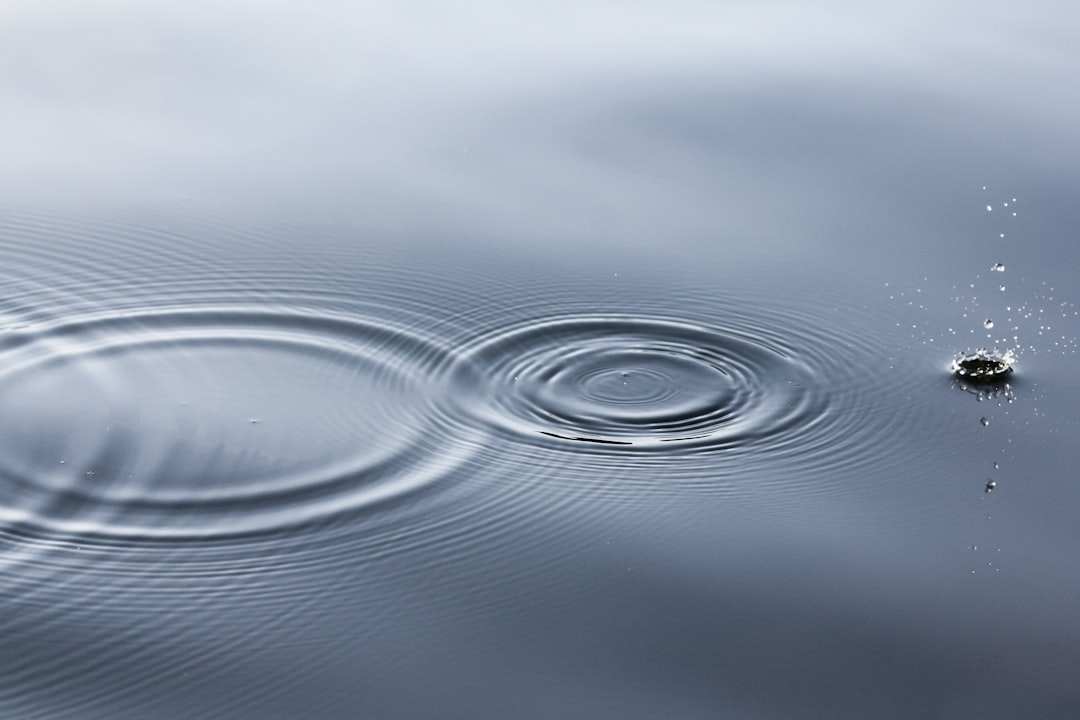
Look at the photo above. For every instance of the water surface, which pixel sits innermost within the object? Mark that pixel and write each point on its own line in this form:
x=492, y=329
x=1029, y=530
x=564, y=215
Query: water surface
x=362, y=362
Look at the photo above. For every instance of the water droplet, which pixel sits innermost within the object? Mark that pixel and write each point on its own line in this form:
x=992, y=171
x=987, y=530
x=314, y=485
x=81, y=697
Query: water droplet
x=1001, y=288
x=998, y=267
x=989, y=208
x=984, y=421
x=990, y=485
x=988, y=323
x=983, y=365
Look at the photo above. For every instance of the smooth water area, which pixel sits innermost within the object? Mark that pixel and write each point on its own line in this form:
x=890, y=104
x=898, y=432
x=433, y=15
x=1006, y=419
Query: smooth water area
x=534, y=362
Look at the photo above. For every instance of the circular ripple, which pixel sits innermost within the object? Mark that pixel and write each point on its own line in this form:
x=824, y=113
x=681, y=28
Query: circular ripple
x=212, y=423
x=641, y=383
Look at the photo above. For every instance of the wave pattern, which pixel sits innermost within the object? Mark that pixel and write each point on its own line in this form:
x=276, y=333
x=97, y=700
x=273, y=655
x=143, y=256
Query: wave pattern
x=202, y=423
x=727, y=392
x=174, y=379
x=222, y=435
x=642, y=383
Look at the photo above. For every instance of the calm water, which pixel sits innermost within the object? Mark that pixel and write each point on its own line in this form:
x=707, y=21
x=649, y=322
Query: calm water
x=513, y=362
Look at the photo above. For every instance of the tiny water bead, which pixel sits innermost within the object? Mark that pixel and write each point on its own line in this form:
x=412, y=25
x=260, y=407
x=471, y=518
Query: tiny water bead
x=998, y=267
x=984, y=365
x=988, y=324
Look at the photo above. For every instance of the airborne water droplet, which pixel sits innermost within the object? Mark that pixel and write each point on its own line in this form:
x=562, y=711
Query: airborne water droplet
x=990, y=485
x=984, y=421
x=988, y=324
x=998, y=267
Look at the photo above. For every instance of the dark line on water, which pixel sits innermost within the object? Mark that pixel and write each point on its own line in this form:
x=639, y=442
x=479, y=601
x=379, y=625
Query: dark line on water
x=585, y=439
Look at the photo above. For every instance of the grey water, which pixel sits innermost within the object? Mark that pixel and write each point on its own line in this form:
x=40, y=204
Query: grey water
x=520, y=361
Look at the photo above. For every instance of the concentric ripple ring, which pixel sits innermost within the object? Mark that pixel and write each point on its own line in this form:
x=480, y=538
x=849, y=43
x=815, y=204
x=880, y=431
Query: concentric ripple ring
x=211, y=423
x=643, y=384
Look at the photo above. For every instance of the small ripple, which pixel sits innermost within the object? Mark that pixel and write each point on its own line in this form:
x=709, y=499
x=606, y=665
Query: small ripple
x=646, y=384
x=707, y=390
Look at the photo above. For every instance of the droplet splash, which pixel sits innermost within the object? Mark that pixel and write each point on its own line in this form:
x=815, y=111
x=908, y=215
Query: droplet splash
x=983, y=365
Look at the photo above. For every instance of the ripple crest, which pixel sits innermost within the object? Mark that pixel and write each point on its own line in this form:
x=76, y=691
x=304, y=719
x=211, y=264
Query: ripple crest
x=644, y=384
x=213, y=422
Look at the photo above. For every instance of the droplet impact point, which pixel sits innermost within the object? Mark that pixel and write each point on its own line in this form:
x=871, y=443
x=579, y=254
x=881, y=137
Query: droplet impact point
x=983, y=365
